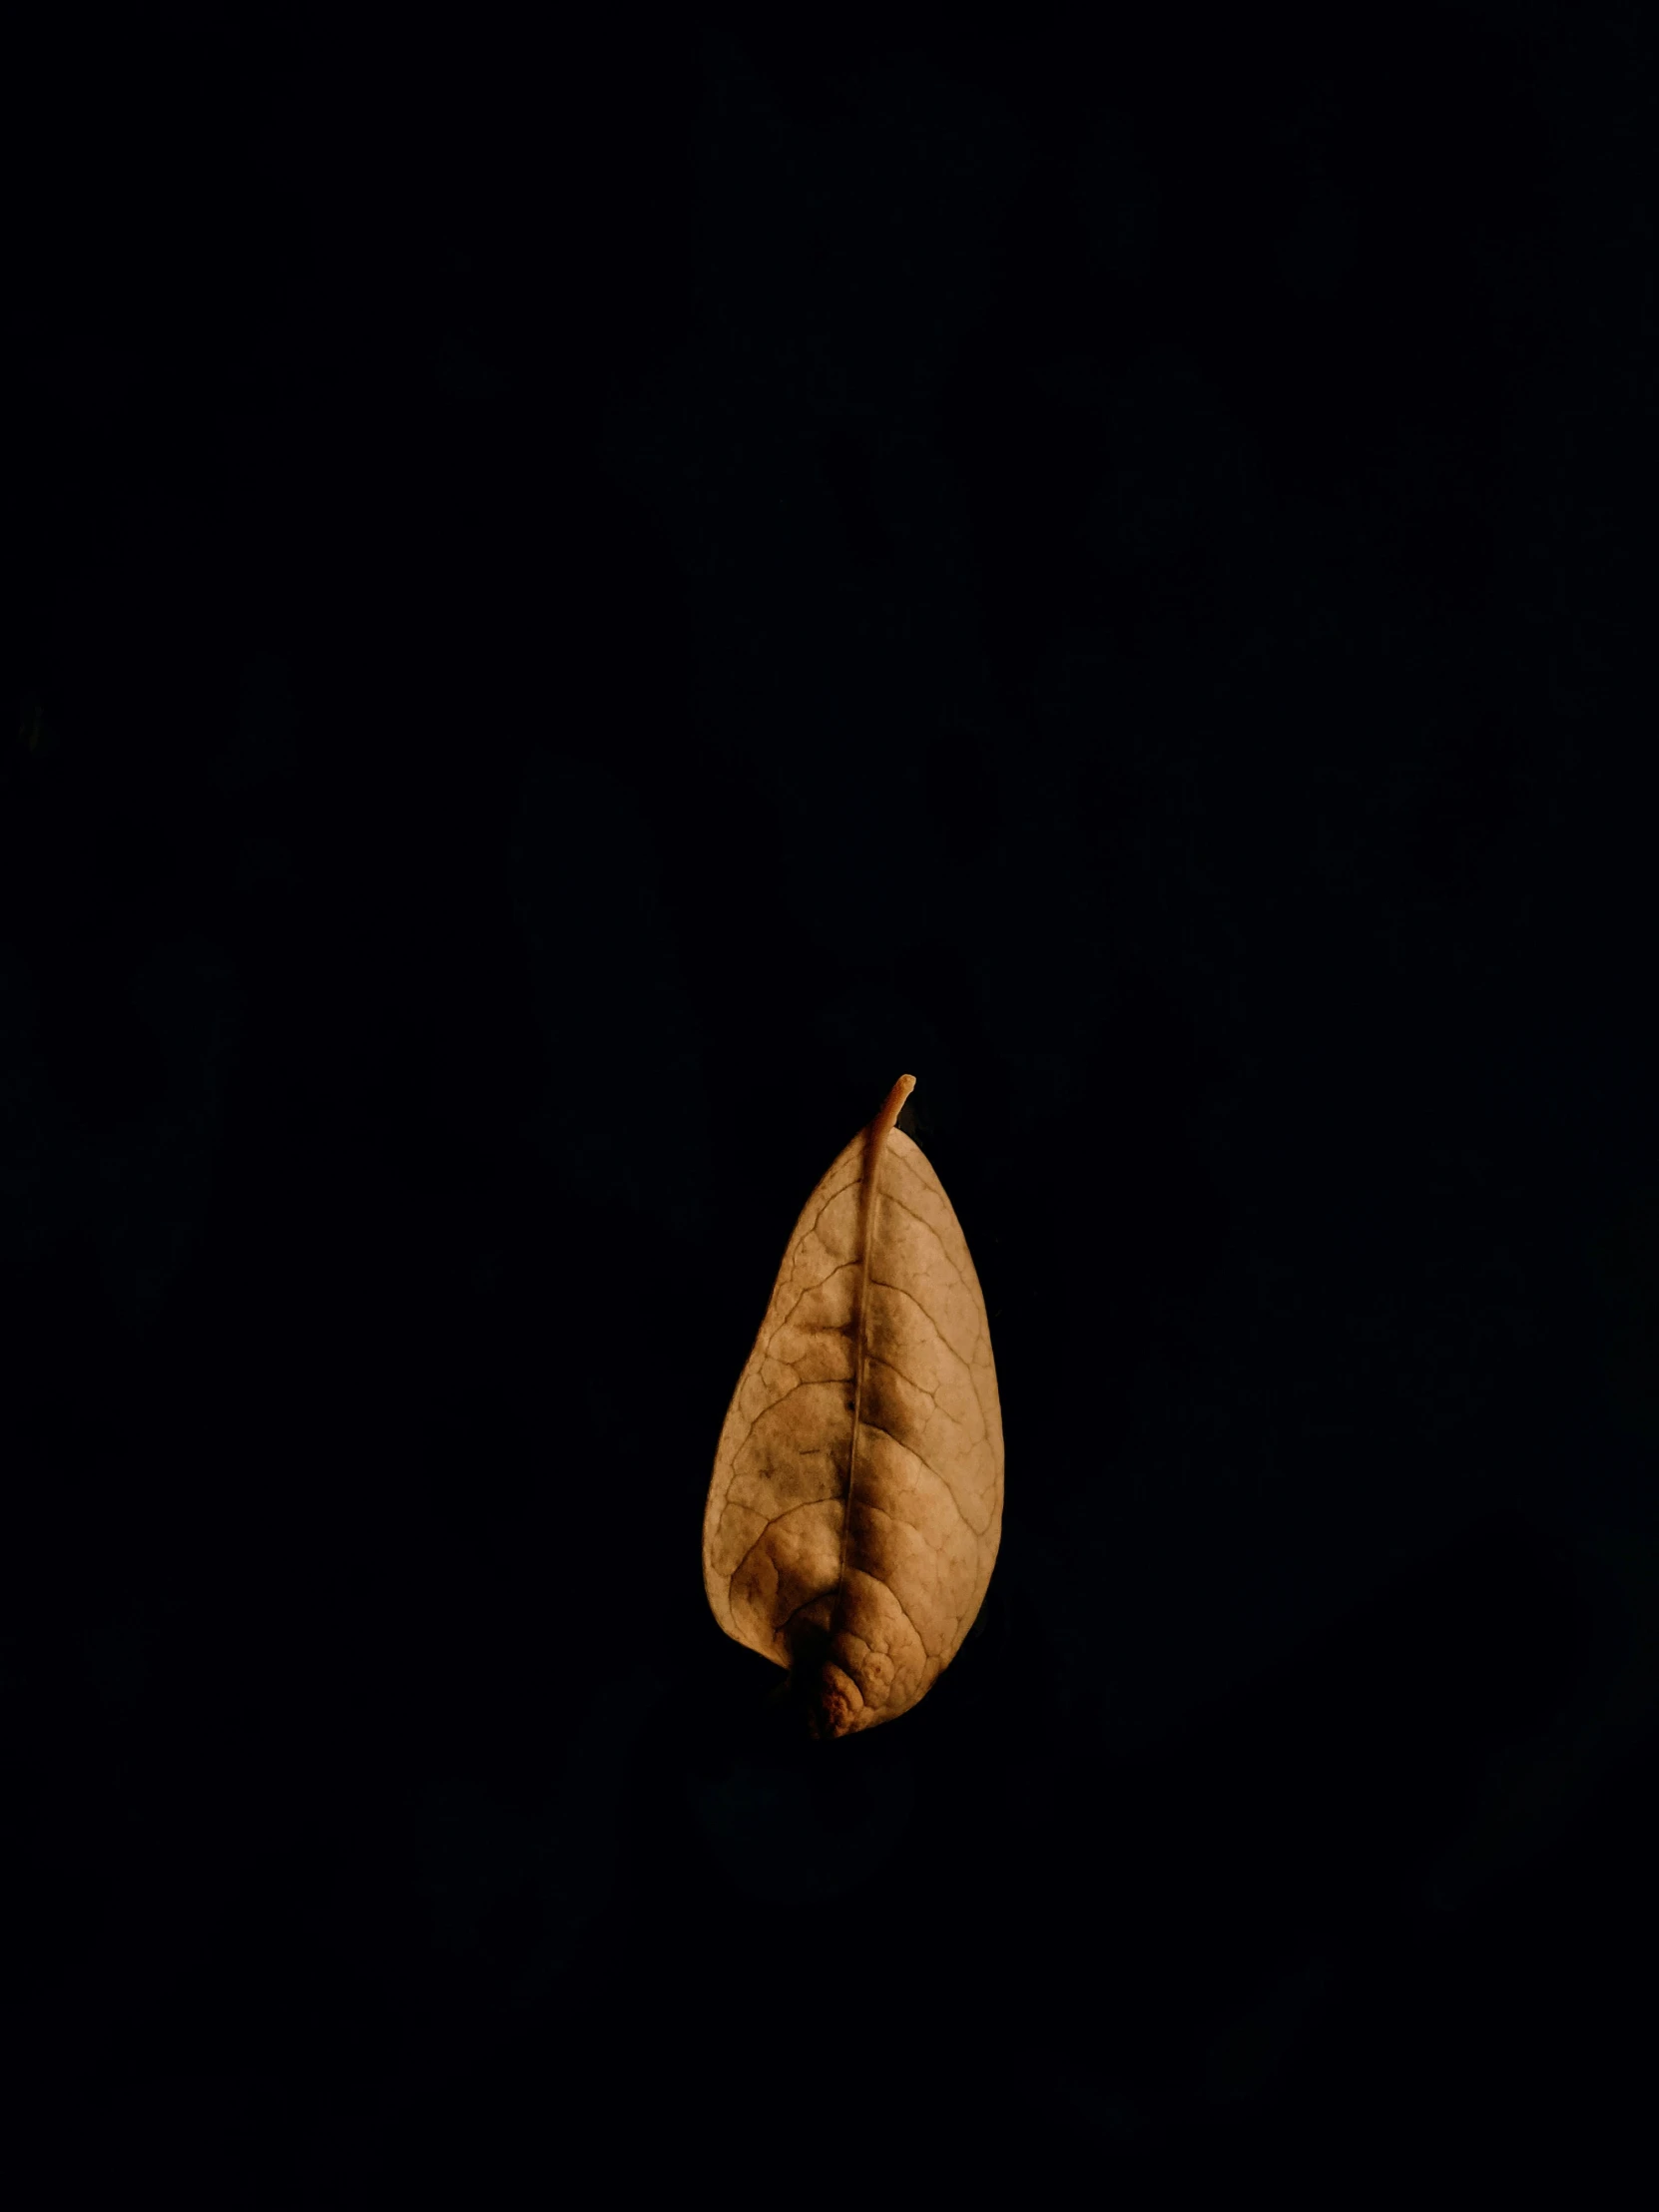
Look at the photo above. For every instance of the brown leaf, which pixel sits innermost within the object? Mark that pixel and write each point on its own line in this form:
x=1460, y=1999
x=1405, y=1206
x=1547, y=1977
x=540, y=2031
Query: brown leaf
x=857, y=1502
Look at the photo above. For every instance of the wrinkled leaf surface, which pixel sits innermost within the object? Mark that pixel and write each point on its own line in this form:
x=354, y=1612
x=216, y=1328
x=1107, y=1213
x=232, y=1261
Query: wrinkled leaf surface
x=856, y=1507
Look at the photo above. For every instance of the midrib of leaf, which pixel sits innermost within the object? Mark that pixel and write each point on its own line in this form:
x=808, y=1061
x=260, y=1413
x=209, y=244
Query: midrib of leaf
x=880, y=1130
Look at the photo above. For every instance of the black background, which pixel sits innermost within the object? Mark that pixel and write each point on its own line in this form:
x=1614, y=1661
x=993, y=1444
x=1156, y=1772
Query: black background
x=584, y=597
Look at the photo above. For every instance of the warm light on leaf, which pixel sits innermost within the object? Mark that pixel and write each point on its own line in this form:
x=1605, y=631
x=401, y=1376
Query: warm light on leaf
x=855, y=1508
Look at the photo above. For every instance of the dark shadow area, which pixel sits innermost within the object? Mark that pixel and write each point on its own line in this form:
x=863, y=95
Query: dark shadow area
x=585, y=598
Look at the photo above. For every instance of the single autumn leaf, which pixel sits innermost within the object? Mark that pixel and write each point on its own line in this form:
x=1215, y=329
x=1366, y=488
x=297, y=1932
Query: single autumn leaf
x=855, y=1509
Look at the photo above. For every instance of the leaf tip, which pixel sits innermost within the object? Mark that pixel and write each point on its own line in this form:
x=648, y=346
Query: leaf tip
x=835, y=1704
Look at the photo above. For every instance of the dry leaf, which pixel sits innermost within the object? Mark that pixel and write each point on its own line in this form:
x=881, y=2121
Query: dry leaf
x=857, y=1502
